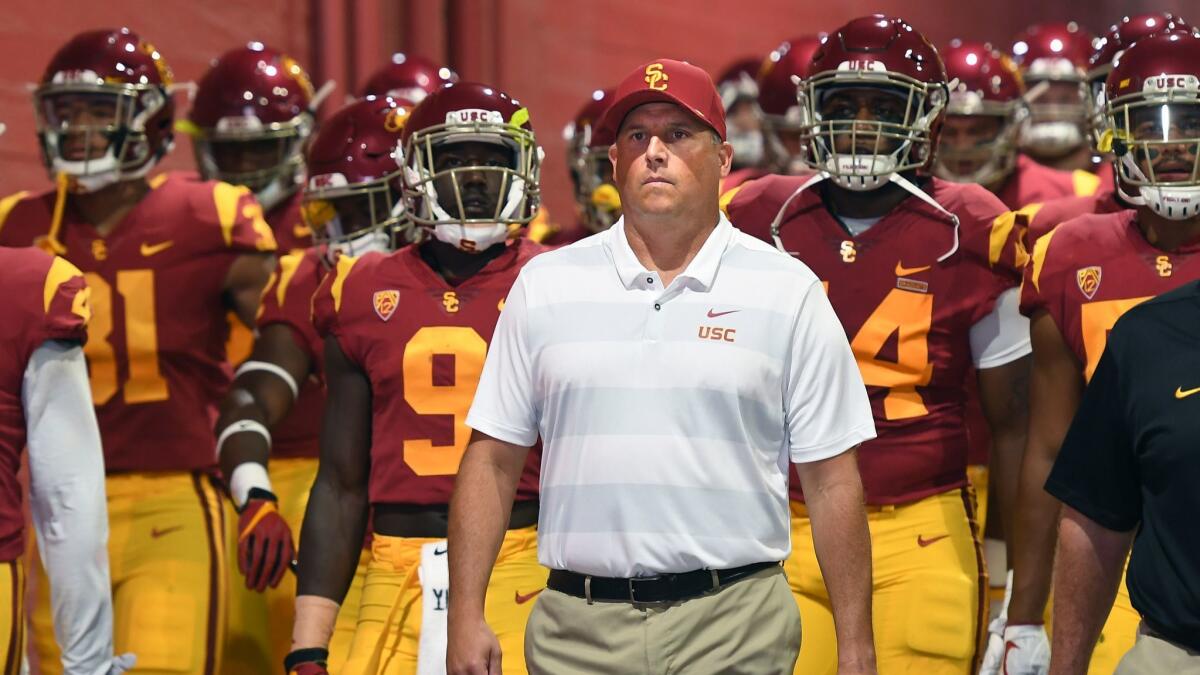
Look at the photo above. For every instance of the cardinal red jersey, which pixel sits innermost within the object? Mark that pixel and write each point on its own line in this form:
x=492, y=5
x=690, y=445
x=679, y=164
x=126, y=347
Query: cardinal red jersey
x=1031, y=182
x=44, y=298
x=291, y=233
x=741, y=177
x=288, y=301
x=1049, y=215
x=156, y=357
x=421, y=343
x=1090, y=270
x=907, y=315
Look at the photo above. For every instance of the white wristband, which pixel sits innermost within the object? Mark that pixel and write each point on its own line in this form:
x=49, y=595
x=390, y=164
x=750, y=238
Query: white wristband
x=251, y=366
x=242, y=426
x=248, y=475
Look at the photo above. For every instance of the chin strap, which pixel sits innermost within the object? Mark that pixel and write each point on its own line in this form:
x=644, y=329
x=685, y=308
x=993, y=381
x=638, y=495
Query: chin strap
x=896, y=178
x=917, y=192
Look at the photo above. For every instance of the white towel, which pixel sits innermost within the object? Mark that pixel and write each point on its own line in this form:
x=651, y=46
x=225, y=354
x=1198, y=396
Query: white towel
x=434, y=575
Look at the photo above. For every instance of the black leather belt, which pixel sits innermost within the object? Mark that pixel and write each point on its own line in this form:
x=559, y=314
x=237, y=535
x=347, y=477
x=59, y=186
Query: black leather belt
x=658, y=588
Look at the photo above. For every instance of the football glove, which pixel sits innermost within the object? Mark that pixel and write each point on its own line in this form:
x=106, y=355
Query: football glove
x=122, y=664
x=1026, y=650
x=265, y=547
x=310, y=661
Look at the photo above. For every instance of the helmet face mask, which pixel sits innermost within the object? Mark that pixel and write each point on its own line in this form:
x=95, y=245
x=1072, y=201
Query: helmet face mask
x=861, y=151
x=979, y=147
x=438, y=194
x=97, y=132
x=1058, y=117
x=357, y=219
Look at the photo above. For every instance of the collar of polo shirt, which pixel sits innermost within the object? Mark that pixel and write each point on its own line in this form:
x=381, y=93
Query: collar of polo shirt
x=702, y=269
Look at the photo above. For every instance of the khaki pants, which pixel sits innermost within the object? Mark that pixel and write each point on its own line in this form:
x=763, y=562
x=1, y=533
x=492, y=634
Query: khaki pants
x=751, y=626
x=1152, y=655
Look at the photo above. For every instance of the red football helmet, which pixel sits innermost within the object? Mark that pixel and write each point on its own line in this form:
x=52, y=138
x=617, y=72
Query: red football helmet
x=251, y=116
x=737, y=81
x=104, y=109
x=987, y=91
x=408, y=77
x=1152, y=107
x=884, y=64
x=739, y=93
x=587, y=160
x=460, y=113
x=352, y=199
x=1121, y=36
x=779, y=77
x=1053, y=58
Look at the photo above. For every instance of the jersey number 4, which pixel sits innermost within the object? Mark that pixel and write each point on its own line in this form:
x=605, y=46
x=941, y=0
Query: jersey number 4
x=426, y=396
x=909, y=316
x=144, y=382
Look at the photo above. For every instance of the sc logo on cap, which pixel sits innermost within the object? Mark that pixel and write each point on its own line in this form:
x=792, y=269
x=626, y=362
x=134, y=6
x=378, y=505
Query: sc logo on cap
x=656, y=78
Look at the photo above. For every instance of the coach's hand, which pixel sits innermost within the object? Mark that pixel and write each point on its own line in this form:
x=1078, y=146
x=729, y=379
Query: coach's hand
x=265, y=545
x=472, y=649
x=310, y=661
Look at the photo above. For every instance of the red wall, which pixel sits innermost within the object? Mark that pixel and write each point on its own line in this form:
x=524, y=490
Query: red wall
x=548, y=53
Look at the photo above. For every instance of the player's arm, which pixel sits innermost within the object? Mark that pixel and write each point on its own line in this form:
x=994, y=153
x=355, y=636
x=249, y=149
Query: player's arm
x=336, y=518
x=1087, y=573
x=834, y=495
x=244, y=282
x=1054, y=392
x=479, y=513
x=1004, y=397
x=263, y=392
x=66, y=471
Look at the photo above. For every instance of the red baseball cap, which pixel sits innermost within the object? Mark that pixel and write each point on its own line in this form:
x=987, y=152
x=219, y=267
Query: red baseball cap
x=667, y=81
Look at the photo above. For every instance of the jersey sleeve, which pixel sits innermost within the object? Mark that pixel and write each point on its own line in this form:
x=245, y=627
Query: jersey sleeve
x=1040, y=278
x=825, y=401
x=1084, y=183
x=995, y=238
x=503, y=406
x=1096, y=472
x=287, y=300
x=243, y=227
x=65, y=303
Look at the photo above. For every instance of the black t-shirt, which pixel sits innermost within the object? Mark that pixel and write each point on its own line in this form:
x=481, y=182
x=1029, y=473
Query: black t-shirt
x=1132, y=456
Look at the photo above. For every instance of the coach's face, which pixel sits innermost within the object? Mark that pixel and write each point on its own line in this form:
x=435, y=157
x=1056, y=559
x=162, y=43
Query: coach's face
x=667, y=163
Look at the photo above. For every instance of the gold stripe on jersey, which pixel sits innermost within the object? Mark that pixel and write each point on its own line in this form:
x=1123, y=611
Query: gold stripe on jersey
x=60, y=272
x=1039, y=257
x=1085, y=183
x=287, y=269
x=727, y=197
x=1002, y=229
x=157, y=181
x=344, y=264
x=227, y=199
x=8, y=203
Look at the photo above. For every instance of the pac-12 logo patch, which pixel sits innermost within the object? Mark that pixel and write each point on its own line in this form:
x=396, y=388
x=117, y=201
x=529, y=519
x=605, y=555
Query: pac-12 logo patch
x=1088, y=279
x=385, y=303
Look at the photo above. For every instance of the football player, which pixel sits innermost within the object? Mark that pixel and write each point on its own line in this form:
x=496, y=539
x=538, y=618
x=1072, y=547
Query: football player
x=405, y=339
x=597, y=203
x=407, y=77
x=978, y=142
x=165, y=258
x=923, y=274
x=778, y=77
x=738, y=88
x=1086, y=273
x=1053, y=58
x=250, y=121
x=45, y=401
x=353, y=205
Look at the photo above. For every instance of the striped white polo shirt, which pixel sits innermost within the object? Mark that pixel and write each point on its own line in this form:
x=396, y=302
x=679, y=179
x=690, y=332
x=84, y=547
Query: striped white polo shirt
x=668, y=415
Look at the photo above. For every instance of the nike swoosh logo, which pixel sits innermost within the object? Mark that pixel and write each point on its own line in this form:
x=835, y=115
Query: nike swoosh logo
x=1180, y=393
x=152, y=249
x=441, y=552
x=522, y=599
x=713, y=315
x=155, y=533
x=1008, y=646
x=902, y=271
x=923, y=542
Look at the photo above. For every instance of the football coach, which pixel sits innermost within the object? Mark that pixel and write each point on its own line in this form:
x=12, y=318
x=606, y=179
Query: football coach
x=673, y=367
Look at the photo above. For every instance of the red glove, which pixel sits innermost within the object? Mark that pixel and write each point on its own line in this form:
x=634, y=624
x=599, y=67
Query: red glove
x=309, y=661
x=265, y=547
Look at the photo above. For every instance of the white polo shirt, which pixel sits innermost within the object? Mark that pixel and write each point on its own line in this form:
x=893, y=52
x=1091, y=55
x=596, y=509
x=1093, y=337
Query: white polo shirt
x=668, y=416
